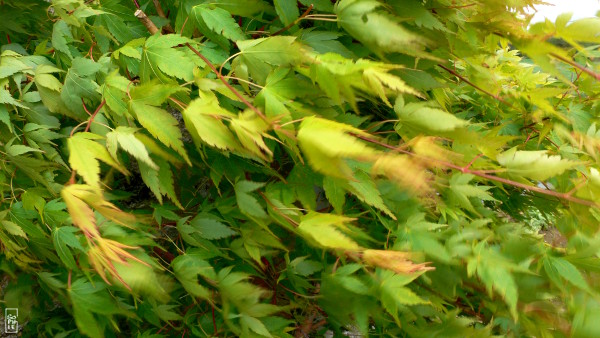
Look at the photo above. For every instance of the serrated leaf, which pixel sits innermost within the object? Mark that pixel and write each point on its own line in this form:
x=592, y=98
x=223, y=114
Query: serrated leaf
x=162, y=125
x=536, y=165
x=80, y=83
x=287, y=10
x=556, y=266
x=63, y=238
x=423, y=118
x=203, y=118
x=187, y=268
x=326, y=144
x=220, y=21
x=84, y=155
x=247, y=203
x=210, y=228
x=125, y=137
x=323, y=228
x=159, y=57
x=255, y=325
x=365, y=189
x=379, y=30
x=13, y=228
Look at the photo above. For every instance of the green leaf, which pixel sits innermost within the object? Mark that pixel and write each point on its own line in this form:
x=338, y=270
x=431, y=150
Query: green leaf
x=80, y=83
x=84, y=155
x=162, y=125
x=287, y=10
x=378, y=29
x=220, y=21
x=63, y=238
x=326, y=144
x=210, y=228
x=536, y=165
x=556, y=266
x=422, y=118
x=203, y=119
x=13, y=228
x=160, y=57
x=125, y=137
x=247, y=203
x=187, y=268
x=323, y=228
x=255, y=325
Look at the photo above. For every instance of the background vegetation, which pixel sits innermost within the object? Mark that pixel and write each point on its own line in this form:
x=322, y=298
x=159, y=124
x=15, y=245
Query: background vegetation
x=285, y=169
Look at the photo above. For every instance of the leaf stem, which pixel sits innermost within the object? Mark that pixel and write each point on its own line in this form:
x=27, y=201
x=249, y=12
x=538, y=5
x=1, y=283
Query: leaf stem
x=292, y=24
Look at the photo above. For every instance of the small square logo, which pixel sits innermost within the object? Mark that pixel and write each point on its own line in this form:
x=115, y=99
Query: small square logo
x=11, y=325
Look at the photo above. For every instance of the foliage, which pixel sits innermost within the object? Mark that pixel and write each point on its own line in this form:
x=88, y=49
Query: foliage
x=282, y=168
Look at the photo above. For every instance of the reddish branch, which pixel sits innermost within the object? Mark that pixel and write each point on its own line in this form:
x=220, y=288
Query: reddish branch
x=467, y=170
x=230, y=87
x=578, y=66
x=91, y=119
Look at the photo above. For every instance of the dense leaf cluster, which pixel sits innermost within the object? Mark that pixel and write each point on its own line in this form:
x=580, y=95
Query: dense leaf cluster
x=279, y=168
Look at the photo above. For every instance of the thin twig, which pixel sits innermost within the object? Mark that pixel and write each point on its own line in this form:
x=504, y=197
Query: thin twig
x=578, y=66
x=91, y=119
x=292, y=24
x=564, y=196
x=230, y=87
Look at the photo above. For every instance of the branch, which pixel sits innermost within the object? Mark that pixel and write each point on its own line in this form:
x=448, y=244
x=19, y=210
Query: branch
x=466, y=170
x=145, y=20
x=578, y=66
x=222, y=78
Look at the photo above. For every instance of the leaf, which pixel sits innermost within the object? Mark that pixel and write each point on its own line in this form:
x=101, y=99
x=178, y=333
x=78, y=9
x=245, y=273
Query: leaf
x=162, y=125
x=259, y=55
x=84, y=156
x=463, y=191
x=323, y=228
x=326, y=144
x=63, y=238
x=365, y=189
x=80, y=83
x=114, y=92
x=287, y=10
x=335, y=192
x=125, y=137
x=187, y=268
x=255, y=325
x=203, y=119
x=378, y=29
x=247, y=203
x=423, y=118
x=556, y=266
x=160, y=57
x=210, y=228
x=13, y=228
x=535, y=165
x=61, y=36
x=220, y=21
